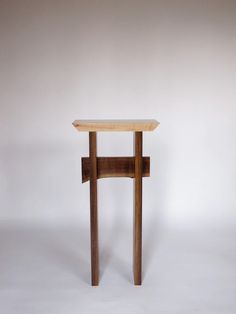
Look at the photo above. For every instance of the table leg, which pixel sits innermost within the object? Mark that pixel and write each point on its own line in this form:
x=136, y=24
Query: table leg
x=137, y=244
x=93, y=209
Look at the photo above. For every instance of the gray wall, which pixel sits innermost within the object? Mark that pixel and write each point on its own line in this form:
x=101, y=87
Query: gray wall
x=169, y=60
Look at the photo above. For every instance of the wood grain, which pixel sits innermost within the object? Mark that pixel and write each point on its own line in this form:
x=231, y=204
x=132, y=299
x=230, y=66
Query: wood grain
x=137, y=249
x=108, y=167
x=115, y=125
x=93, y=209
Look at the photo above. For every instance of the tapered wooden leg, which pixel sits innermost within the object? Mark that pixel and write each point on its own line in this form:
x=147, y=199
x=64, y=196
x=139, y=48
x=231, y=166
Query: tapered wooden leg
x=137, y=249
x=93, y=209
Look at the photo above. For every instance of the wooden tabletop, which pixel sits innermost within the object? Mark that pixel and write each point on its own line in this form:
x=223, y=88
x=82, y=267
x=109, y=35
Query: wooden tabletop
x=115, y=125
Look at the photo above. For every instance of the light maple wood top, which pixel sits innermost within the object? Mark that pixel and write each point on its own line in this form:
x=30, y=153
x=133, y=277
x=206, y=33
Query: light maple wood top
x=115, y=125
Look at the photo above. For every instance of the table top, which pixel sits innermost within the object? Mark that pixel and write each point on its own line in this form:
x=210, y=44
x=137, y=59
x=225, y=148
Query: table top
x=115, y=125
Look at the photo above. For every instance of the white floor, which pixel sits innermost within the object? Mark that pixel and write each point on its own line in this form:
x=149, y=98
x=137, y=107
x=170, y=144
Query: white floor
x=46, y=270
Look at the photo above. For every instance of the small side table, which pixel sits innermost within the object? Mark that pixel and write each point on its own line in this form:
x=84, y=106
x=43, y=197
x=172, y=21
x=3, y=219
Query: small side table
x=135, y=167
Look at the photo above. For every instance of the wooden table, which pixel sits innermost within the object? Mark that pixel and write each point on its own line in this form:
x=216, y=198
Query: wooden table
x=136, y=167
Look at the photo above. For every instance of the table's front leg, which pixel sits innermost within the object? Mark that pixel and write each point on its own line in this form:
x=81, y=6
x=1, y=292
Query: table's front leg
x=93, y=209
x=137, y=245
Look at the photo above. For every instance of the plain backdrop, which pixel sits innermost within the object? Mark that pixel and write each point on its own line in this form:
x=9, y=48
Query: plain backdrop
x=174, y=61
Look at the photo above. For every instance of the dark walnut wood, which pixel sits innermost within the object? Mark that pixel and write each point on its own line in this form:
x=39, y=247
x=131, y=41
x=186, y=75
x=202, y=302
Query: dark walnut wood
x=114, y=167
x=93, y=208
x=136, y=167
x=137, y=243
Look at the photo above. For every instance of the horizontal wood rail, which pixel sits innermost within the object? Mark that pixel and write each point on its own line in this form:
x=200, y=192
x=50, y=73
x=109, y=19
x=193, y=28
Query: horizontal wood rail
x=108, y=167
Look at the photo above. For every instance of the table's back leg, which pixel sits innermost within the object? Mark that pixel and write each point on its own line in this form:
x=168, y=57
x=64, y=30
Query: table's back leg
x=93, y=209
x=137, y=249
